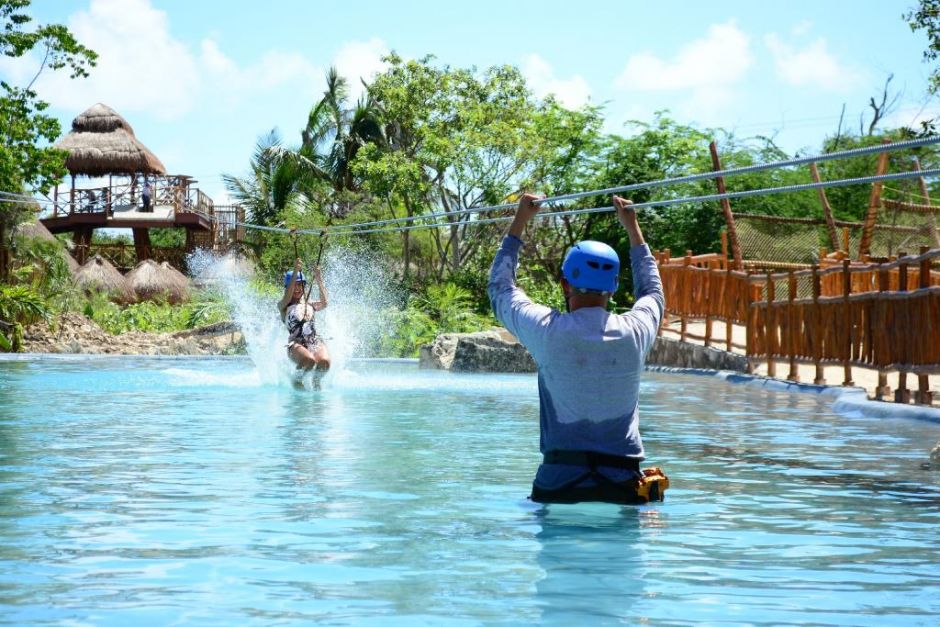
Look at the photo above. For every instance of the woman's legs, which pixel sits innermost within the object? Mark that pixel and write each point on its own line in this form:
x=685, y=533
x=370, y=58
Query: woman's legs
x=307, y=359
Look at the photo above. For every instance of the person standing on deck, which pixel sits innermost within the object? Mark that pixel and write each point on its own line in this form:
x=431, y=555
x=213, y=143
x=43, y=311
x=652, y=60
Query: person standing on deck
x=589, y=361
x=145, y=195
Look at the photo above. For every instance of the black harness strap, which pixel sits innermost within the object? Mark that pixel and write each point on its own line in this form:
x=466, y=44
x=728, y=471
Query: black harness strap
x=591, y=459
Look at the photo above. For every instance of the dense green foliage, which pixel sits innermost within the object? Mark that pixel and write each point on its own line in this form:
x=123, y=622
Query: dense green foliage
x=26, y=161
x=926, y=17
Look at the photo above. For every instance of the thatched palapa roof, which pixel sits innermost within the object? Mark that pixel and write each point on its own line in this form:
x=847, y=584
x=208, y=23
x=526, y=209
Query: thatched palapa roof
x=102, y=142
x=35, y=229
x=150, y=281
x=100, y=276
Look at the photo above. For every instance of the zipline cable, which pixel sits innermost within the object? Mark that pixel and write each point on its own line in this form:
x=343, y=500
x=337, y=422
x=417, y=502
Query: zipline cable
x=854, y=152
x=356, y=229
x=673, y=201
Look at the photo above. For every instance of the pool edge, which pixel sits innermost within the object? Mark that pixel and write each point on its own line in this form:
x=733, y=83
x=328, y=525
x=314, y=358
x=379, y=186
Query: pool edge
x=845, y=399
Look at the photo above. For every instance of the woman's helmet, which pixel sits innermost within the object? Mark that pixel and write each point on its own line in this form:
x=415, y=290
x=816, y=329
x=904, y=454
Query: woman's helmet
x=592, y=267
x=289, y=274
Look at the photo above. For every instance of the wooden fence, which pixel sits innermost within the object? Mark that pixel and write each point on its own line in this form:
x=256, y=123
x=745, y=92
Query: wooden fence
x=883, y=316
x=123, y=256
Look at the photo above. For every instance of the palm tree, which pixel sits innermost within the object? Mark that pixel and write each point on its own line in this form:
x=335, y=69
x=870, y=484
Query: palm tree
x=273, y=184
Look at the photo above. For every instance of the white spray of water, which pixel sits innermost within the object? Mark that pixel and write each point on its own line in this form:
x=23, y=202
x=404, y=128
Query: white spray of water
x=359, y=292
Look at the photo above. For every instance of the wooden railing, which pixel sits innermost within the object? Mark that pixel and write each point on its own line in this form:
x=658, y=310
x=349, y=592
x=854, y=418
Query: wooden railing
x=171, y=190
x=883, y=316
x=123, y=256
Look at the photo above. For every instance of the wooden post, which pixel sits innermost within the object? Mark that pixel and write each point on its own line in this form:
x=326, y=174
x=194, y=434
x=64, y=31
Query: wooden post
x=686, y=295
x=874, y=201
x=846, y=242
x=792, y=327
x=902, y=394
x=72, y=197
x=748, y=326
x=83, y=243
x=706, y=287
x=924, y=395
x=55, y=201
x=729, y=309
x=827, y=210
x=770, y=328
x=142, y=244
x=818, y=332
x=726, y=207
x=847, y=320
x=882, y=391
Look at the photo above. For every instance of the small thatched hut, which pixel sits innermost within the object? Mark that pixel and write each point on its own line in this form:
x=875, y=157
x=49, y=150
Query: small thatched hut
x=151, y=281
x=102, y=142
x=35, y=230
x=98, y=275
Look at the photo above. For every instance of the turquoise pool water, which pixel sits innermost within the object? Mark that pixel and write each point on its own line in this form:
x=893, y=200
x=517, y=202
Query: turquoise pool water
x=159, y=491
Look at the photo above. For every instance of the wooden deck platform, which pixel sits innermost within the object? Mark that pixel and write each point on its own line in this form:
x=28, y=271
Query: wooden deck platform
x=162, y=217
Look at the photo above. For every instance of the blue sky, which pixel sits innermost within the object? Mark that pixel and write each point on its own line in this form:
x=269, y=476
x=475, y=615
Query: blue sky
x=200, y=80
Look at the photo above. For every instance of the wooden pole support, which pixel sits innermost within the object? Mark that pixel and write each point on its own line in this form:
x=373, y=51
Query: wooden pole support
x=882, y=391
x=818, y=331
x=902, y=394
x=848, y=322
x=770, y=328
x=924, y=395
x=794, y=374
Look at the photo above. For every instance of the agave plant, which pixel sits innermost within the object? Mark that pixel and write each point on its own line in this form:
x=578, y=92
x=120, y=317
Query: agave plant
x=19, y=305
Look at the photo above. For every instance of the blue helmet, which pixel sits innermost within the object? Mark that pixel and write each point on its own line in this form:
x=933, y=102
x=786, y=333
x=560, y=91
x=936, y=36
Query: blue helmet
x=288, y=275
x=592, y=267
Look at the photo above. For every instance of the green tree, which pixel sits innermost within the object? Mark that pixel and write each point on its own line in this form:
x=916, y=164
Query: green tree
x=333, y=135
x=271, y=185
x=457, y=139
x=926, y=17
x=26, y=160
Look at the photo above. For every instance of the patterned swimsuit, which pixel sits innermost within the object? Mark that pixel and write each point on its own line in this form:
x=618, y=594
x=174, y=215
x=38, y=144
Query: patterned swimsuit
x=301, y=329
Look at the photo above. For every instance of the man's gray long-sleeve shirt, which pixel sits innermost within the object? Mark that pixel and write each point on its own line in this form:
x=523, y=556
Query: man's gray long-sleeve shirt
x=589, y=361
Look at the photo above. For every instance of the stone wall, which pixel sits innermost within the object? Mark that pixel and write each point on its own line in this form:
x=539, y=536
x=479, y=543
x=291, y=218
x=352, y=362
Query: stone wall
x=498, y=351
x=673, y=353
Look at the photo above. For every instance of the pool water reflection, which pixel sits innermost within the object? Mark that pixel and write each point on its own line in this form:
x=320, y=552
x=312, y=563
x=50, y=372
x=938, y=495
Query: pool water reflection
x=145, y=490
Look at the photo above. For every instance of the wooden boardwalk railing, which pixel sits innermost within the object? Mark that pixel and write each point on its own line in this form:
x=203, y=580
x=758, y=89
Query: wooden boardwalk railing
x=883, y=316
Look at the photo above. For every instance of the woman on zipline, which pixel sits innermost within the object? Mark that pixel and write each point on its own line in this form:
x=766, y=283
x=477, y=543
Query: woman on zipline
x=304, y=346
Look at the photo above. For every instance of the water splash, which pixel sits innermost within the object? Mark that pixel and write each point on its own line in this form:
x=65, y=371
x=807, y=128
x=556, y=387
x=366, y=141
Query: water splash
x=359, y=293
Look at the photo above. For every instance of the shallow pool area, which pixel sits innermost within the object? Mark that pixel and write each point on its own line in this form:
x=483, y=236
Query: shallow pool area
x=142, y=490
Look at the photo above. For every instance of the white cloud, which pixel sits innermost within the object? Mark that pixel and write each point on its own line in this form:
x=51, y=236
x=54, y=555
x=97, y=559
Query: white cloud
x=722, y=57
x=801, y=28
x=813, y=65
x=572, y=93
x=224, y=77
x=359, y=61
x=910, y=115
x=707, y=71
x=143, y=68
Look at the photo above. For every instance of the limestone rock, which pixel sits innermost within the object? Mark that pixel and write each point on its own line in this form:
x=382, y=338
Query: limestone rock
x=439, y=354
x=486, y=351
x=669, y=352
x=74, y=333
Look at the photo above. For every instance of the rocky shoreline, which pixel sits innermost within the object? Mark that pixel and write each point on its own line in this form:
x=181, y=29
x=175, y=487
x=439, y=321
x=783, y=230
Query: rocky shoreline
x=74, y=333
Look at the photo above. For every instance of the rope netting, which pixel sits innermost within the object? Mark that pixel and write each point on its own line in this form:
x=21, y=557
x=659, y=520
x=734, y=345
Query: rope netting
x=779, y=240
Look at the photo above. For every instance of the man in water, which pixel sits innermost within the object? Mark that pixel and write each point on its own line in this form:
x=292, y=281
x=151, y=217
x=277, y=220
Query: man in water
x=589, y=361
